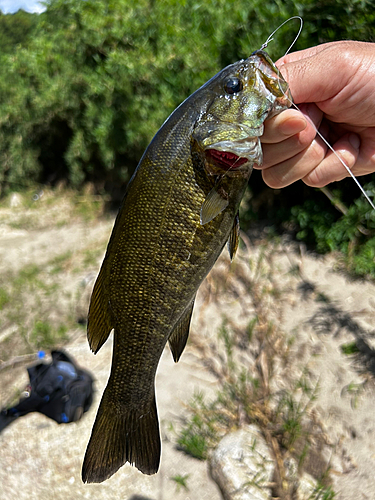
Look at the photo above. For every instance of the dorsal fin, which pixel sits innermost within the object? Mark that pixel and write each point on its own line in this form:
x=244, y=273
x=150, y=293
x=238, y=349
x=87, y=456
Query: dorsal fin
x=99, y=324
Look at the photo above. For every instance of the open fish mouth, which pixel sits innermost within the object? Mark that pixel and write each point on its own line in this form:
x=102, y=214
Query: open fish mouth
x=232, y=155
x=226, y=159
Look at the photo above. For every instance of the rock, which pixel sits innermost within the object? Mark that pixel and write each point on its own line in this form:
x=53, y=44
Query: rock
x=304, y=485
x=307, y=486
x=291, y=471
x=242, y=465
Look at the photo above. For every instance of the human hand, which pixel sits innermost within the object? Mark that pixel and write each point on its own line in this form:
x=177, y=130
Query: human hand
x=334, y=85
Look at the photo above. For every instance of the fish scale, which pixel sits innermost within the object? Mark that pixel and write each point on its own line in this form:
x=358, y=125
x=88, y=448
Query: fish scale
x=179, y=210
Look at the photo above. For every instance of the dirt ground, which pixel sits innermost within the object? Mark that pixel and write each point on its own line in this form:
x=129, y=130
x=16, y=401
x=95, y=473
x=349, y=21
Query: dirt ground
x=322, y=311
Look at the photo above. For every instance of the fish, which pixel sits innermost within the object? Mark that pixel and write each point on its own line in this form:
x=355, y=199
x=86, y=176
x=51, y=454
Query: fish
x=179, y=210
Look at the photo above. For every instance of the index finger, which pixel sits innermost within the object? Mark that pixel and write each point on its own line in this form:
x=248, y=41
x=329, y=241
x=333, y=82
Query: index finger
x=303, y=54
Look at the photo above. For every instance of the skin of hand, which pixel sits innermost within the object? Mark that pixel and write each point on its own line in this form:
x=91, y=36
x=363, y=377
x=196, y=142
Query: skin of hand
x=334, y=86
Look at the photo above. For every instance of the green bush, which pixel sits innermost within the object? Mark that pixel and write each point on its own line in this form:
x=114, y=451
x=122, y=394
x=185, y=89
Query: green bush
x=85, y=86
x=352, y=233
x=81, y=98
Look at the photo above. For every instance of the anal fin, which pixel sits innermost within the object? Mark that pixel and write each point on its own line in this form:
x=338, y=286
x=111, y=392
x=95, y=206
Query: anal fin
x=178, y=338
x=234, y=237
x=99, y=324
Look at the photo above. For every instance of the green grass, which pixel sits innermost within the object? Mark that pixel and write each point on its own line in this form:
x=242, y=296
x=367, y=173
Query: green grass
x=45, y=336
x=34, y=301
x=28, y=274
x=321, y=297
x=250, y=328
x=91, y=257
x=323, y=493
x=200, y=432
x=4, y=298
x=56, y=208
x=292, y=410
x=59, y=263
x=89, y=207
x=350, y=348
x=181, y=481
x=37, y=308
x=31, y=300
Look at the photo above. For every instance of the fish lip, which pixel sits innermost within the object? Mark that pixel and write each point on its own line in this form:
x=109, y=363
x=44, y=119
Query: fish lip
x=227, y=161
x=247, y=151
x=246, y=147
x=264, y=66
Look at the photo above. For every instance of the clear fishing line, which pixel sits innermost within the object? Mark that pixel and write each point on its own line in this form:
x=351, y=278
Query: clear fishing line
x=336, y=154
x=269, y=39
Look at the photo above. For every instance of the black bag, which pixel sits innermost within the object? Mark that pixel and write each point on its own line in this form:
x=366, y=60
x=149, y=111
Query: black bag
x=60, y=390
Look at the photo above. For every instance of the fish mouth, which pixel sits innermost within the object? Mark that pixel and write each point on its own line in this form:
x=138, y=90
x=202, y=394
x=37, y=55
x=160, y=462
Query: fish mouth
x=232, y=155
x=272, y=79
x=225, y=159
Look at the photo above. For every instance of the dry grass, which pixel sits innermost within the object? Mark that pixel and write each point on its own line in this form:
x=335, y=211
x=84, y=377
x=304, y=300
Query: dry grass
x=258, y=373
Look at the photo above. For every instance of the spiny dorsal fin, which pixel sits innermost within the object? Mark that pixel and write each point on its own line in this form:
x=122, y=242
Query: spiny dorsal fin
x=213, y=205
x=99, y=325
x=178, y=338
x=234, y=237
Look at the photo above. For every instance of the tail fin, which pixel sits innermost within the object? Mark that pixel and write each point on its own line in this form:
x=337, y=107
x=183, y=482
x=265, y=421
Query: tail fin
x=118, y=438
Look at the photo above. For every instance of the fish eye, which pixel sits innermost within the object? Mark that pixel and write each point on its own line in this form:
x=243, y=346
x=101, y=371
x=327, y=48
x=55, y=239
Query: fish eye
x=233, y=85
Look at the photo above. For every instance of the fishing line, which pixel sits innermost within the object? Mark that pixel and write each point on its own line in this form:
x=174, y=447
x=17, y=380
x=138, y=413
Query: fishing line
x=269, y=39
x=339, y=158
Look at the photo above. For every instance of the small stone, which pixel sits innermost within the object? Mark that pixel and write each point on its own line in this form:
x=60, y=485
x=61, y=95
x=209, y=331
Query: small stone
x=242, y=465
x=306, y=487
x=291, y=470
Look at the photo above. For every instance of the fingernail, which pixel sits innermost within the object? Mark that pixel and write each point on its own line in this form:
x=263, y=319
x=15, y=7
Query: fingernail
x=354, y=141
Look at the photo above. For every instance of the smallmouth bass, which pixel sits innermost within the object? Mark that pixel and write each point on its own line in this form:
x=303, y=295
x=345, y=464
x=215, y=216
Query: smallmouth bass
x=179, y=210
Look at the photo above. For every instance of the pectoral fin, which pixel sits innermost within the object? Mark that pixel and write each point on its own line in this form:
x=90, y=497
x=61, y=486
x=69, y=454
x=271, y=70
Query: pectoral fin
x=99, y=324
x=213, y=205
x=178, y=338
x=234, y=237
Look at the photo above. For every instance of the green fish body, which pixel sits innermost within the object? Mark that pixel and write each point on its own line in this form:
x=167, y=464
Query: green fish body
x=179, y=210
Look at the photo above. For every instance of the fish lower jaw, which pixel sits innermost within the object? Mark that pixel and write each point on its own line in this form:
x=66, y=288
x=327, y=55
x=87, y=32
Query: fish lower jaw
x=248, y=148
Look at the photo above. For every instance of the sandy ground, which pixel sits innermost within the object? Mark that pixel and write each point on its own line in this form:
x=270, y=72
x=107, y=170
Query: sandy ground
x=345, y=402
x=40, y=459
